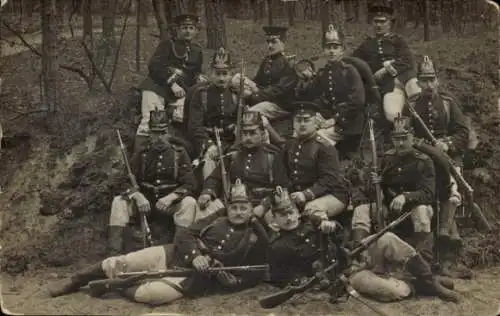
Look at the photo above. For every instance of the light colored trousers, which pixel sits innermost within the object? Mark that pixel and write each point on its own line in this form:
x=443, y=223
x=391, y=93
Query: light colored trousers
x=394, y=101
x=154, y=291
x=374, y=280
x=421, y=217
x=184, y=212
x=151, y=101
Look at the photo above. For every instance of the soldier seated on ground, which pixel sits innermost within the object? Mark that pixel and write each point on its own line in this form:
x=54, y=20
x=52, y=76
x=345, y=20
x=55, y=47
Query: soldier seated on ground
x=259, y=165
x=318, y=186
x=175, y=66
x=225, y=238
x=166, y=181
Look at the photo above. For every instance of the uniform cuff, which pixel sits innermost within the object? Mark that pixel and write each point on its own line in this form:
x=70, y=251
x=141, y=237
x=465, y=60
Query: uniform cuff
x=188, y=258
x=181, y=192
x=309, y=194
x=390, y=69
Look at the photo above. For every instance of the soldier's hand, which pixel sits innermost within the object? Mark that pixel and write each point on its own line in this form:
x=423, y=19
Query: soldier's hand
x=375, y=178
x=442, y=145
x=398, y=202
x=328, y=227
x=227, y=279
x=178, y=91
x=201, y=263
x=203, y=200
x=379, y=74
x=142, y=203
x=259, y=210
x=298, y=197
x=201, y=78
x=164, y=203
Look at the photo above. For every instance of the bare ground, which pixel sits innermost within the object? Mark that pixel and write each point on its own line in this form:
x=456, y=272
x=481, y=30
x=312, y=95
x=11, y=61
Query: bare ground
x=70, y=166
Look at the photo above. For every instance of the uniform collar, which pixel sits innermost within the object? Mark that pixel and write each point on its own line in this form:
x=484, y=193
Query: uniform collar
x=275, y=56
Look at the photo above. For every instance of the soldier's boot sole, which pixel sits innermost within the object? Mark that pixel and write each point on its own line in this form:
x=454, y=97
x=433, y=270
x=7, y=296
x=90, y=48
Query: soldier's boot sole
x=79, y=280
x=446, y=282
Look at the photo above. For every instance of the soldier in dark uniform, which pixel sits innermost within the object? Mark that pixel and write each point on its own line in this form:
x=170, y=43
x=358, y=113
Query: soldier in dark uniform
x=295, y=251
x=317, y=183
x=339, y=90
x=274, y=83
x=165, y=177
x=212, y=104
x=226, y=238
x=259, y=165
x=407, y=179
x=175, y=66
x=444, y=118
x=390, y=60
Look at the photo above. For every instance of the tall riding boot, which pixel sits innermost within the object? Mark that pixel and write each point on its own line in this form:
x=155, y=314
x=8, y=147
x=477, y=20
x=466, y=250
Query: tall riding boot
x=115, y=240
x=79, y=280
x=451, y=265
x=423, y=243
x=425, y=282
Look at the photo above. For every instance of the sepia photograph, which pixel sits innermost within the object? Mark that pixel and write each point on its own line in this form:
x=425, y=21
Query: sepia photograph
x=250, y=157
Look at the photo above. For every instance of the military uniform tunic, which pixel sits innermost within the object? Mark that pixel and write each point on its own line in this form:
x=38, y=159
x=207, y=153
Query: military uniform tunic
x=209, y=106
x=313, y=167
x=276, y=80
x=215, y=236
x=260, y=169
x=375, y=51
x=170, y=54
x=444, y=119
x=341, y=95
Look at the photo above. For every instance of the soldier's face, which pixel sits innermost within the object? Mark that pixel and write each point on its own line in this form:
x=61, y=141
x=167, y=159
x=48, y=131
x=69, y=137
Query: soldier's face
x=239, y=212
x=402, y=144
x=221, y=77
x=252, y=138
x=333, y=52
x=288, y=219
x=187, y=31
x=304, y=125
x=275, y=46
x=428, y=85
x=381, y=25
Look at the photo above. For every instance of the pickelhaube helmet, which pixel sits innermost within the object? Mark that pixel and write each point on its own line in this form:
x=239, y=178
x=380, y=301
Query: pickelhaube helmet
x=426, y=68
x=251, y=120
x=158, y=121
x=221, y=59
x=187, y=19
x=281, y=201
x=275, y=32
x=239, y=192
x=333, y=36
x=402, y=126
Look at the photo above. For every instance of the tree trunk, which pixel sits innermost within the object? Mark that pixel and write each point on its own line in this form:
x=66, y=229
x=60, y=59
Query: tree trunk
x=291, y=12
x=446, y=15
x=427, y=20
x=161, y=21
x=87, y=19
x=325, y=17
x=216, y=28
x=109, y=8
x=270, y=12
x=144, y=13
x=50, y=64
x=139, y=21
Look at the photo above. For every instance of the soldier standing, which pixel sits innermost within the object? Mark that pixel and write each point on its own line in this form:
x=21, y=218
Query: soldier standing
x=445, y=120
x=317, y=182
x=212, y=105
x=339, y=90
x=390, y=60
x=221, y=239
x=175, y=66
x=166, y=180
x=274, y=83
x=259, y=165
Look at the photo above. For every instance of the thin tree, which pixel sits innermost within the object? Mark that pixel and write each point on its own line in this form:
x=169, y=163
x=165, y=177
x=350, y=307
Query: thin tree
x=161, y=19
x=50, y=64
x=427, y=20
x=216, y=27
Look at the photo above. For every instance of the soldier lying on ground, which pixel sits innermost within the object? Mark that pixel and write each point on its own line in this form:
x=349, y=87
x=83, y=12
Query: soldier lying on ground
x=259, y=165
x=225, y=238
x=210, y=105
x=175, y=66
x=166, y=181
x=441, y=114
x=408, y=181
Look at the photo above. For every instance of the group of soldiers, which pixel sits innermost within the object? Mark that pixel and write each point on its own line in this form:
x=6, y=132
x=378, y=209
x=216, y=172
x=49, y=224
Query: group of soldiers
x=236, y=192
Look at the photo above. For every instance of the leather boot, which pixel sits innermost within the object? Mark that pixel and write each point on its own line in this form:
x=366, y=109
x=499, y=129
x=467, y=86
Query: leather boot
x=423, y=243
x=115, y=240
x=446, y=281
x=425, y=282
x=451, y=266
x=77, y=281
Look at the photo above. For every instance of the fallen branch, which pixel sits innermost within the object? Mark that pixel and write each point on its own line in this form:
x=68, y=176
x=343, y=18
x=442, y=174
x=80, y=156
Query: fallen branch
x=96, y=69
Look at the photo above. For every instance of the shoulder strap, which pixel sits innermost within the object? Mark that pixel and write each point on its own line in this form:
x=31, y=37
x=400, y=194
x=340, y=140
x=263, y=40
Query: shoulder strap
x=270, y=160
x=204, y=99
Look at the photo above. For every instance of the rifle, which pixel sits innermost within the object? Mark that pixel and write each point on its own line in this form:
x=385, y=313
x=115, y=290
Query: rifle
x=241, y=104
x=147, y=239
x=275, y=299
x=225, y=184
x=379, y=220
x=469, y=191
x=125, y=280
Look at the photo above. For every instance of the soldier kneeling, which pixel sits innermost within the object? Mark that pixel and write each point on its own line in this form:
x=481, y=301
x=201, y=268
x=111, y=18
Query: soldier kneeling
x=225, y=238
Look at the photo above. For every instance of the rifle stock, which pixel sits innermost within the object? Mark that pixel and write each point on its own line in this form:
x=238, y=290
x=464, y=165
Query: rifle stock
x=225, y=184
x=278, y=298
x=241, y=105
x=379, y=220
x=125, y=280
